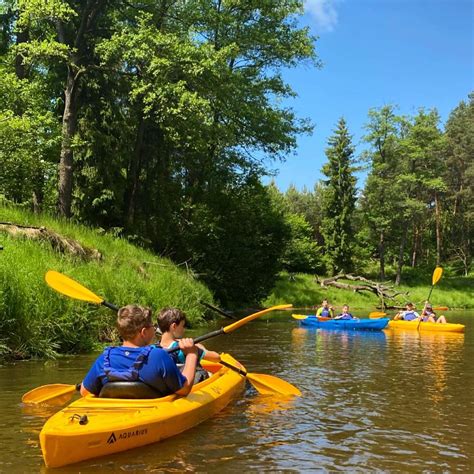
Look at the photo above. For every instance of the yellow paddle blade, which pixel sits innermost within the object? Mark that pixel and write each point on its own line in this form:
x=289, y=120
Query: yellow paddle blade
x=270, y=385
x=53, y=394
x=377, y=315
x=438, y=271
x=241, y=322
x=67, y=286
x=299, y=316
x=440, y=308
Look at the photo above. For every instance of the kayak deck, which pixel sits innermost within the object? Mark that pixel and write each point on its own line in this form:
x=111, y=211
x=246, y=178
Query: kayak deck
x=347, y=324
x=91, y=427
x=437, y=327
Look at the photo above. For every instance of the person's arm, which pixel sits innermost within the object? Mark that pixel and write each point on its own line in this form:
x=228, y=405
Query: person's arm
x=191, y=353
x=211, y=356
x=332, y=312
x=83, y=391
x=319, y=311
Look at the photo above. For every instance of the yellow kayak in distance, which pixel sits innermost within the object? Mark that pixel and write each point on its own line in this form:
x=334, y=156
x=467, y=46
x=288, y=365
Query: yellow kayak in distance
x=437, y=327
x=91, y=427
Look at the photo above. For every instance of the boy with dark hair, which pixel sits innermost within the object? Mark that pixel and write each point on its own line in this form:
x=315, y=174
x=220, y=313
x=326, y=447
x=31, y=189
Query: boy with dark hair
x=172, y=322
x=138, y=360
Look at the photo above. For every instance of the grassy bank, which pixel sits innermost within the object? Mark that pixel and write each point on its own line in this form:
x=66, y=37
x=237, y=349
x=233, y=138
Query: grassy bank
x=303, y=291
x=37, y=321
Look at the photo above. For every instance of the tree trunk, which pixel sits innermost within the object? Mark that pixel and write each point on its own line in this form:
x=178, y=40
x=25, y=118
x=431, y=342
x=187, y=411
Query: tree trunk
x=133, y=175
x=401, y=252
x=438, y=229
x=415, y=247
x=382, y=256
x=67, y=157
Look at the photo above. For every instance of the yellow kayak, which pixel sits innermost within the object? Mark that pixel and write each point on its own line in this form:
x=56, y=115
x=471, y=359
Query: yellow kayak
x=438, y=327
x=91, y=427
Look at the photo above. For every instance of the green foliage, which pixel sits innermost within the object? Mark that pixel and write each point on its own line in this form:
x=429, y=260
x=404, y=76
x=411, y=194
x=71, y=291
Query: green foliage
x=339, y=200
x=37, y=321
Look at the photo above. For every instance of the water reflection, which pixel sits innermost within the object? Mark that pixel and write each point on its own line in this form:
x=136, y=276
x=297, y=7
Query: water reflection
x=391, y=401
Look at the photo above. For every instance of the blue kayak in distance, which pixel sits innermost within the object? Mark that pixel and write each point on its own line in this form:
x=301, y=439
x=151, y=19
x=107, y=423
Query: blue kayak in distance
x=351, y=324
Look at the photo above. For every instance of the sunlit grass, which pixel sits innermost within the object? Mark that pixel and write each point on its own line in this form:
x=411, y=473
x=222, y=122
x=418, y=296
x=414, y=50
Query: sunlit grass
x=37, y=321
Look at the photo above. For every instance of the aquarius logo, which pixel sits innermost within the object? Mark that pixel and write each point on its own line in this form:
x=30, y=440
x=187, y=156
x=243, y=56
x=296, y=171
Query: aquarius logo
x=111, y=439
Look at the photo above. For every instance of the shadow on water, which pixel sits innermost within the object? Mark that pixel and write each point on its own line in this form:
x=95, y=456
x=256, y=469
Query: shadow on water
x=378, y=401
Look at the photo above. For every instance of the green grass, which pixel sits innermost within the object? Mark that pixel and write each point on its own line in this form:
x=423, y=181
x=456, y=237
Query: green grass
x=303, y=291
x=35, y=321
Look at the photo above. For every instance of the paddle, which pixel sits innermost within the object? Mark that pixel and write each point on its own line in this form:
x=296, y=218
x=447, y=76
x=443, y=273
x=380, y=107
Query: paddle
x=266, y=384
x=53, y=394
x=67, y=286
x=377, y=315
x=217, y=310
x=299, y=316
x=59, y=393
x=438, y=271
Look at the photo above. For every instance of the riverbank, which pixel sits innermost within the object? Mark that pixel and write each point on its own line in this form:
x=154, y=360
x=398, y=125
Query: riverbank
x=35, y=321
x=455, y=292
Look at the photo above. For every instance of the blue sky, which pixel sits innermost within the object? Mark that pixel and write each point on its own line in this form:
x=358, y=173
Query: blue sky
x=412, y=53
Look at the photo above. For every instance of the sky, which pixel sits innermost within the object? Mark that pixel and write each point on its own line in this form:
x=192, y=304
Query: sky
x=410, y=53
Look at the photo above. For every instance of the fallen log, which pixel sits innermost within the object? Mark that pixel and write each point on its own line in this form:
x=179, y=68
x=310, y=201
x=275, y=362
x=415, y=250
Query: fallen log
x=58, y=242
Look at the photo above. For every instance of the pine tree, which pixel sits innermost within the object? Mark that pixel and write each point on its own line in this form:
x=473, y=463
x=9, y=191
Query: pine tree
x=339, y=200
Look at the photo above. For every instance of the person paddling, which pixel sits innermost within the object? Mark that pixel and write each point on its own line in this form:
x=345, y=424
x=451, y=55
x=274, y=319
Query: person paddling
x=172, y=324
x=139, y=361
x=325, y=310
x=345, y=313
x=408, y=315
x=428, y=315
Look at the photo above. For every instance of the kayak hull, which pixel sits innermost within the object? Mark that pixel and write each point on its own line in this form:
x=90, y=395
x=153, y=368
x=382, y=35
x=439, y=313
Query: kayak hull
x=437, y=327
x=91, y=427
x=347, y=324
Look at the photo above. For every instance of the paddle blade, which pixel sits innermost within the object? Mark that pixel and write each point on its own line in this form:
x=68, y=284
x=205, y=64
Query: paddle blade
x=377, y=315
x=438, y=271
x=299, y=317
x=440, y=308
x=53, y=394
x=67, y=286
x=247, y=319
x=270, y=385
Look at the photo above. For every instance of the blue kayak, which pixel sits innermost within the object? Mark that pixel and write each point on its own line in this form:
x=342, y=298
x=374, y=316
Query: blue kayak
x=352, y=324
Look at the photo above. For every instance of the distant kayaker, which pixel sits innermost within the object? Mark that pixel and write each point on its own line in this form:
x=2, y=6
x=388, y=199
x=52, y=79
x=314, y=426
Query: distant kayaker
x=325, y=310
x=428, y=315
x=345, y=313
x=172, y=324
x=408, y=315
x=137, y=360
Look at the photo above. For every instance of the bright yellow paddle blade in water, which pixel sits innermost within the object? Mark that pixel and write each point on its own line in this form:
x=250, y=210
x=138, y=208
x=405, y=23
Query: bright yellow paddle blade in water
x=52, y=394
x=67, y=286
x=270, y=385
x=299, y=316
x=247, y=319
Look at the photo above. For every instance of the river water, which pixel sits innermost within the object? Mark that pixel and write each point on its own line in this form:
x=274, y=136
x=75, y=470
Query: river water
x=393, y=401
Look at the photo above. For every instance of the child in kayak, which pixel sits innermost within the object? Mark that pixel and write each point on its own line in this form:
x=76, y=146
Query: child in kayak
x=428, y=315
x=345, y=313
x=172, y=322
x=139, y=361
x=408, y=315
x=325, y=310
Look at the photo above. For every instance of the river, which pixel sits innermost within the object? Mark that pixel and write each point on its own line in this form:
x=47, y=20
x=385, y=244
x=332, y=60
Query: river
x=393, y=401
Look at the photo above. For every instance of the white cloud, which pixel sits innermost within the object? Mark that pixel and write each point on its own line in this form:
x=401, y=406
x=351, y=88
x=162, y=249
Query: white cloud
x=324, y=12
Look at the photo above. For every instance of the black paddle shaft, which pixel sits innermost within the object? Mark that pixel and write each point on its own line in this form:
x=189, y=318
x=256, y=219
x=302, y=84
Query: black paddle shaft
x=218, y=332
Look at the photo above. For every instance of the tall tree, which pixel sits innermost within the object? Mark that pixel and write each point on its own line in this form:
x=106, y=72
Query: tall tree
x=459, y=176
x=381, y=196
x=339, y=199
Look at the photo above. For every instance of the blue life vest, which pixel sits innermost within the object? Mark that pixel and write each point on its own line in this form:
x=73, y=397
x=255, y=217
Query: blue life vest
x=345, y=316
x=326, y=313
x=409, y=316
x=131, y=373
